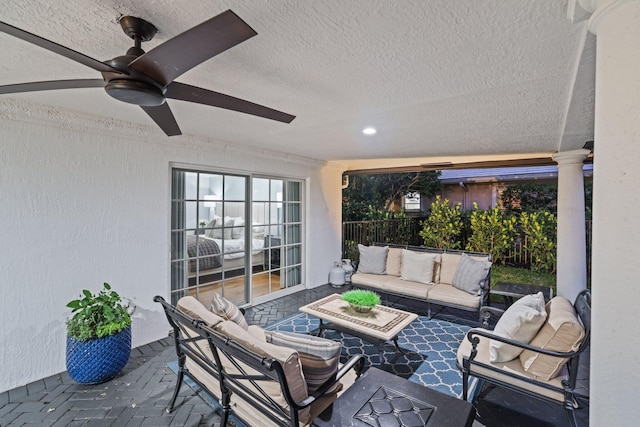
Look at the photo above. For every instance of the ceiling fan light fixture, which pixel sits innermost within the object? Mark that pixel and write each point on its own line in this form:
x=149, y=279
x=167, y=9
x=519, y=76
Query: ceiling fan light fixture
x=135, y=92
x=369, y=131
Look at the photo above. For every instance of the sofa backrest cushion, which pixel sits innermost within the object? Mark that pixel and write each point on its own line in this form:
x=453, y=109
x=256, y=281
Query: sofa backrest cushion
x=194, y=308
x=320, y=357
x=373, y=259
x=448, y=267
x=227, y=310
x=394, y=261
x=417, y=266
x=469, y=273
x=562, y=331
x=520, y=322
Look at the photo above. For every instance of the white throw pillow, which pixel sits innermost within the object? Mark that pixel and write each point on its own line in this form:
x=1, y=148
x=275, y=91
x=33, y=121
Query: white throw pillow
x=417, y=267
x=520, y=322
x=238, y=228
x=373, y=259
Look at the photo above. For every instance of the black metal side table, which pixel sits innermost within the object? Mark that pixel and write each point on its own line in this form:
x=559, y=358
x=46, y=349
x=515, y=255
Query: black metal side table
x=510, y=290
x=383, y=399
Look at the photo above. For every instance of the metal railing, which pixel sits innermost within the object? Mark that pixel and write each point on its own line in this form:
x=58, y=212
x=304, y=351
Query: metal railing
x=406, y=231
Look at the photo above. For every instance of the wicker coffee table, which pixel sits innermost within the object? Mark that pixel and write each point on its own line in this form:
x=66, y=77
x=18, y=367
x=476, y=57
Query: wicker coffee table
x=380, y=325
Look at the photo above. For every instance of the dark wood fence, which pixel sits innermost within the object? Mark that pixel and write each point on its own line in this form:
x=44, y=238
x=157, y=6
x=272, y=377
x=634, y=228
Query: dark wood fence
x=406, y=232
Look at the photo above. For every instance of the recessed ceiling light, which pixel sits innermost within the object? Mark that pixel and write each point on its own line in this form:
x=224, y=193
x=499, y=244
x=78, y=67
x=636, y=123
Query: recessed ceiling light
x=369, y=131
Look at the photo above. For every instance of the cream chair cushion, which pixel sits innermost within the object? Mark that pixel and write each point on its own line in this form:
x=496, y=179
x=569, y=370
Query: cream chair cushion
x=194, y=308
x=511, y=367
x=562, y=332
x=521, y=322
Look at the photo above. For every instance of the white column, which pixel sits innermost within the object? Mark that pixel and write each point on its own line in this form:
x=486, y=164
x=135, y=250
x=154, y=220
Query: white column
x=572, y=247
x=615, y=344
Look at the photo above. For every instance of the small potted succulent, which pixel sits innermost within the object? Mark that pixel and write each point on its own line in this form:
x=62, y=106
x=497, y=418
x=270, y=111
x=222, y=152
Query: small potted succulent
x=361, y=300
x=98, y=336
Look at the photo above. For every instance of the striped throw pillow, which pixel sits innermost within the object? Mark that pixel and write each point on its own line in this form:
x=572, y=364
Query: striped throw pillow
x=319, y=357
x=227, y=310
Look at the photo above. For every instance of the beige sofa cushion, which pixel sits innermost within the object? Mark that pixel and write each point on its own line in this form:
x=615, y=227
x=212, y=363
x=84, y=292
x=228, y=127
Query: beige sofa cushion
x=194, y=308
x=448, y=294
x=371, y=280
x=437, y=263
x=513, y=367
x=417, y=266
x=448, y=267
x=521, y=322
x=562, y=331
x=394, y=261
x=404, y=287
x=391, y=284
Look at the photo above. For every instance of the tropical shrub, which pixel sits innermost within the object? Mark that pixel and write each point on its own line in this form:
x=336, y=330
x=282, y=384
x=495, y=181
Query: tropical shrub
x=492, y=232
x=442, y=228
x=540, y=231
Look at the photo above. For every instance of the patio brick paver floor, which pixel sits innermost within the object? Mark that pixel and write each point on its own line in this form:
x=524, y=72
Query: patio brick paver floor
x=138, y=396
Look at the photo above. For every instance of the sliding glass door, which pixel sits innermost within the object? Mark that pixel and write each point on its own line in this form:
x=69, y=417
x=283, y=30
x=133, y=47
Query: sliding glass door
x=277, y=207
x=235, y=235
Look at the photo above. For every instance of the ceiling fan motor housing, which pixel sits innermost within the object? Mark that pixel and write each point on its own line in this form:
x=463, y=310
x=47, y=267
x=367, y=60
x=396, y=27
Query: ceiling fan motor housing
x=132, y=86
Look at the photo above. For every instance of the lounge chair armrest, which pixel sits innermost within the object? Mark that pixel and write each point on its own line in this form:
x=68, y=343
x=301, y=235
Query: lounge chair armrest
x=355, y=362
x=473, y=334
x=487, y=312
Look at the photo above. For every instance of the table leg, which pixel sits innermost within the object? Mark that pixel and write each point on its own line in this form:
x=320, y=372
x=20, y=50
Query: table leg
x=395, y=342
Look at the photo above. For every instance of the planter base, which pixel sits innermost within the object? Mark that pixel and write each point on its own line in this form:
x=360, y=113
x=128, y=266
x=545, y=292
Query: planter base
x=98, y=360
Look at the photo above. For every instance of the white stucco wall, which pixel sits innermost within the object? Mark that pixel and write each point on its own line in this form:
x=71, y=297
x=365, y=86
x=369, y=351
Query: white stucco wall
x=85, y=206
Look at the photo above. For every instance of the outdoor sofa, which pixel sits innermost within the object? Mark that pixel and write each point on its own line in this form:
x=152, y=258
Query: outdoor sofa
x=259, y=377
x=442, y=277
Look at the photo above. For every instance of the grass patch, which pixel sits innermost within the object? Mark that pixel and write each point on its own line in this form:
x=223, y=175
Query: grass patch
x=501, y=273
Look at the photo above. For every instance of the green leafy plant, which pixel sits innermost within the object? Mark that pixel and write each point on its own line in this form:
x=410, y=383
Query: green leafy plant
x=98, y=315
x=540, y=231
x=492, y=232
x=442, y=228
x=361, y=297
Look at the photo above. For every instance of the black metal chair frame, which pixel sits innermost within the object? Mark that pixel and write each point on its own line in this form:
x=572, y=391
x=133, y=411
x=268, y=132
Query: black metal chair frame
x=582, y=306
x=192, y=337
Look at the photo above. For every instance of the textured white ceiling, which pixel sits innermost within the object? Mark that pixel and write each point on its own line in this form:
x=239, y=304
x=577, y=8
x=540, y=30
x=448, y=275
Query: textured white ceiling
x=437, y=78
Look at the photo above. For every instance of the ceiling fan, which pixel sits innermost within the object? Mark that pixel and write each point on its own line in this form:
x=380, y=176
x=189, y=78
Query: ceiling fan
x=148, y=79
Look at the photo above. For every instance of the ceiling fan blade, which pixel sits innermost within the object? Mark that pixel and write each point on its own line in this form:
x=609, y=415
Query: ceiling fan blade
x=183, y=52
x=164, y=118
x=56, y=48
x=51, y=85
x=199, y=95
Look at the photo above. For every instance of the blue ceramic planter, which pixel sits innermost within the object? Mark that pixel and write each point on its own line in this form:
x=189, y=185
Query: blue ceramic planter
x=98, y=360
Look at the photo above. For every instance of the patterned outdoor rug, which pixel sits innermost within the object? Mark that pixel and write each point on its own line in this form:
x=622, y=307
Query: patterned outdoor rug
x=431, y=347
